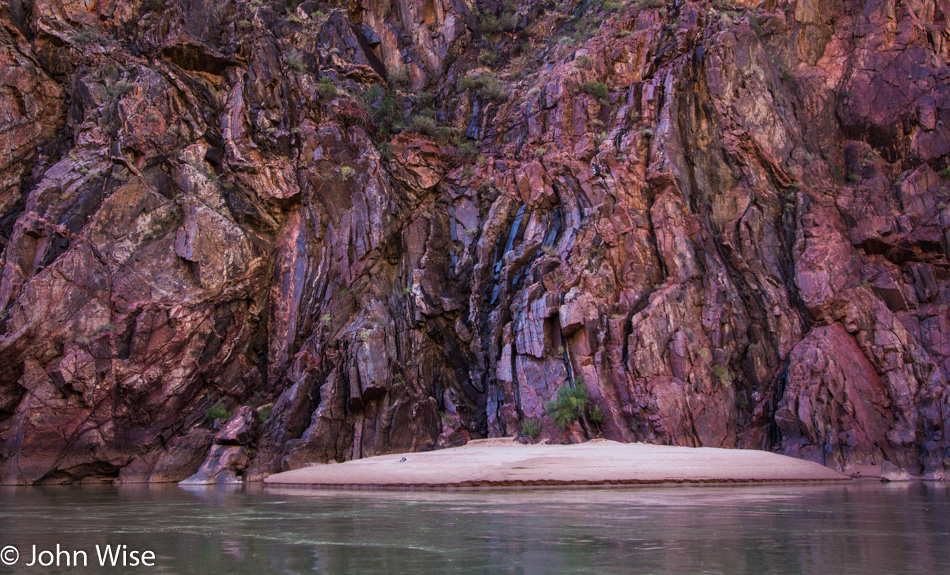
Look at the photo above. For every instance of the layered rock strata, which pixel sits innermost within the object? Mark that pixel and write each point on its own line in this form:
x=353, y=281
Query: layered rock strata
x=239, y=237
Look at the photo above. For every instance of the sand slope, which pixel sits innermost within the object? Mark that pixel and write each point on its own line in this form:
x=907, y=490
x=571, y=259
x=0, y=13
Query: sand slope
x=499, y=462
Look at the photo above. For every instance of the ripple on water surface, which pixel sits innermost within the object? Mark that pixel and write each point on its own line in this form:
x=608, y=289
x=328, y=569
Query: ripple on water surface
x=854, y=528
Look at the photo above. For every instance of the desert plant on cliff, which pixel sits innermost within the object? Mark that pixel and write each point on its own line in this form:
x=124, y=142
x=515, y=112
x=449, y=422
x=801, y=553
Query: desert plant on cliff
x=263, y=414
x=325, y=89
x=723, y=374
x=89, y=34
x=424, y=124
x=386, y=108
x=467, y=151
x=596, y=89
x=756, y=25
x=107, y=328
x=423, y=99
x=572, y=404
x=215, y=410
x=347, y=172
x=595, y=415
x=488, y=57
x=385, y=151
x=448, y=135
x=531, y=427
x=486, y=85
x=151, y=6
x=294, y=60
x=506, y=21
x=583, y=61
x=399, y=77
x=742, y=402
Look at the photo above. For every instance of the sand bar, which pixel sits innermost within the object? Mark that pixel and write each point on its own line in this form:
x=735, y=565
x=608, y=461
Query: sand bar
x=504, y=462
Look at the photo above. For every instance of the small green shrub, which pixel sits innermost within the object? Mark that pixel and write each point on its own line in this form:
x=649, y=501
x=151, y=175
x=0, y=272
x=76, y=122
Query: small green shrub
x=88, y=35
x=756, y=25
x=385, y=151
x=486, y=85
x=386, y=108
x=325, y=89
x=347, y=172
x=448, y=135
x=467, y=151
x=399, y=77
x=151, y=6
x=531, y=427
x=488, y=58
x=506, y=21
x=742, y=402
x=596, y=89
x=447, y=419
x=107, y=328
x=595, y=415
x=722, y=374
x=217, y=411
x=423, y=124
x=263, y=414
x=572, y=404
x=294, y=60
x=423, y=99
x=584, y=61
x=121, y=88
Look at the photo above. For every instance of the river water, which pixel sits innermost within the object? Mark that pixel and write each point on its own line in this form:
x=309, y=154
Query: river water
x=858, y=528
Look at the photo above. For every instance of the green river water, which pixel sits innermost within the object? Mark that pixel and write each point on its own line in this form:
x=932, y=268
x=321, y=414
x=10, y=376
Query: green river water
x=859, y=528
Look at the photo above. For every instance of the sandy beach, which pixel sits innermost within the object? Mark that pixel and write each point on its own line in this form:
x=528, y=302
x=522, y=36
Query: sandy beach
x=504, y=462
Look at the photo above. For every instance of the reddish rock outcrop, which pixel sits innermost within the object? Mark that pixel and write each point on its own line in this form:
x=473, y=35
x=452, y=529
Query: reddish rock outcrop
x=375, y=227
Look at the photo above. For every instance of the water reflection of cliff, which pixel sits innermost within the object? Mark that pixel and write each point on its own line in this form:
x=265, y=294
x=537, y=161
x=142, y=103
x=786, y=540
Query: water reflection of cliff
x=858, y=528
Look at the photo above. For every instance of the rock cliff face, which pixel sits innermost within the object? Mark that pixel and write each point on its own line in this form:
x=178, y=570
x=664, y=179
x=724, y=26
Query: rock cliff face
x=241, y=236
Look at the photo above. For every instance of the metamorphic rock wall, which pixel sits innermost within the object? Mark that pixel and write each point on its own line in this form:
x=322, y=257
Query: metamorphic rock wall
x=243, y=236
